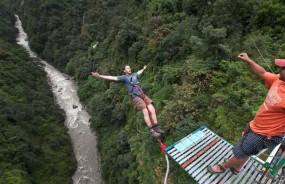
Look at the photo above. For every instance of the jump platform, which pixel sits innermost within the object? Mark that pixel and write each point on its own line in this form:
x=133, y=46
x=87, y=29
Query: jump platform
x=195, y=152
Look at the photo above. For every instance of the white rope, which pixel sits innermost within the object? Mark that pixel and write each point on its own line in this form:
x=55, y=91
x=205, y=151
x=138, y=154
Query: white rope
x=262, y=57
x=167, y=170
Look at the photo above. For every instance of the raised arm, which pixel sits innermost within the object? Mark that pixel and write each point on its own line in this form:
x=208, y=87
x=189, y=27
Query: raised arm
x=258, y=70
x=141, y=71
x=95, y=74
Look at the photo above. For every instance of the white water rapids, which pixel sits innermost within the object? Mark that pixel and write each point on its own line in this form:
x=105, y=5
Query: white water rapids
x=77, y=119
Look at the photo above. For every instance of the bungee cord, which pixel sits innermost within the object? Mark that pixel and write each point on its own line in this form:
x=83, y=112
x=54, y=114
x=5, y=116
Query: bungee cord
x=167, y=169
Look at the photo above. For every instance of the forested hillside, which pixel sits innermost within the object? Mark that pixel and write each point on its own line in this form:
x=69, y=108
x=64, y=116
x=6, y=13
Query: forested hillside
x=35, y=147
x=193, y=74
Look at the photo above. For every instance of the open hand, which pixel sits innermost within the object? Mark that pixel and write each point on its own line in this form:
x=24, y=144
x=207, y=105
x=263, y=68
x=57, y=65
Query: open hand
x=95, y=74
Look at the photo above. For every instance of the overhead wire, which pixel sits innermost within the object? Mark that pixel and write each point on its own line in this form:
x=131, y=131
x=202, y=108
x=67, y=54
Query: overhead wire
x=263, y=57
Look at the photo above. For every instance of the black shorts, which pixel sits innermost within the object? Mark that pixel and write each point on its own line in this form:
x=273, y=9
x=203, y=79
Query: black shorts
x=252, y=143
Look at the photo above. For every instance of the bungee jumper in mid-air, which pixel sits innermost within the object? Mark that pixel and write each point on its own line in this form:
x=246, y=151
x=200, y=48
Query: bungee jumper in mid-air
x=267, y=128
x=140, y=100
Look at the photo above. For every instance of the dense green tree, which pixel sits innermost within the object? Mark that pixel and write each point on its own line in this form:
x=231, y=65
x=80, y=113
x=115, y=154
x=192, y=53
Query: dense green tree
x=190, y=48
x=32, y=134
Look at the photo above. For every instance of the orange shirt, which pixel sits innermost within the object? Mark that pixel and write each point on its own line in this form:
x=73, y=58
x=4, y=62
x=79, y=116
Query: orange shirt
x=270, y=118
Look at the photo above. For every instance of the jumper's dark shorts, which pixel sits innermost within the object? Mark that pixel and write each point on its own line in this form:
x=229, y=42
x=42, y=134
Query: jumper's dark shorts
x=139, y=102
x=252, y=143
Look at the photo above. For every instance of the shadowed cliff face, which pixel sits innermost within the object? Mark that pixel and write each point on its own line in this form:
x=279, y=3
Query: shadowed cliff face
x=77, y=119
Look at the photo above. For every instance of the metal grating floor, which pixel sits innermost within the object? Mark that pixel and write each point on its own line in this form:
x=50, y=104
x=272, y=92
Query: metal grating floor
x=202, y=148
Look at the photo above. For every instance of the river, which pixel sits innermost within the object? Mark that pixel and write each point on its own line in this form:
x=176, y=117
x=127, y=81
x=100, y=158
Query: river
x=77, y=119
